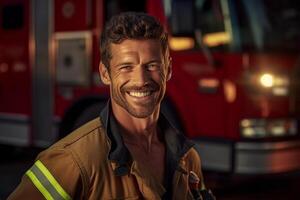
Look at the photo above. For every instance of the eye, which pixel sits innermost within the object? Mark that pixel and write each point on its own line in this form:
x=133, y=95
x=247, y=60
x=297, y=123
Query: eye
x=153, y=66
x=125, y=68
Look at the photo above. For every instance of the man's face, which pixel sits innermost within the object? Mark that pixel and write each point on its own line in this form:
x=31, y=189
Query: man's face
x=137, y=76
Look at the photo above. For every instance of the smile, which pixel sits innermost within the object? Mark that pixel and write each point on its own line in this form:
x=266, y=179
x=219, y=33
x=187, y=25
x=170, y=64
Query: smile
x=140, y=94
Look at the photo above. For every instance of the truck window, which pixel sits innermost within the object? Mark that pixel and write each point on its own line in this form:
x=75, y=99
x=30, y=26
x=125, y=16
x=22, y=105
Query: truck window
x=274, y=26
x=209, y=19
x=239, y=25
x=209, y=16
x=114, y=7
x=12, y=17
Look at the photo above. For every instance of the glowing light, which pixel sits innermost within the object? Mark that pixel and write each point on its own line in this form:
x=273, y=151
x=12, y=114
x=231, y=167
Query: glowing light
x=229, y=91
x=280, y=91
x=209, y=83
x=281, y=81
x=267, y=80
x=216, y=39
x=246, y=123
x=181, y=43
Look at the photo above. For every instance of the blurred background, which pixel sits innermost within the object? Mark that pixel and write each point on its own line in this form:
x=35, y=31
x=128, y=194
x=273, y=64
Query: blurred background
x=235, y=88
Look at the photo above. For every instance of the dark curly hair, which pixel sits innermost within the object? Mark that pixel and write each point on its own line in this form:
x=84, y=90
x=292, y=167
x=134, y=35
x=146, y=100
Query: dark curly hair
x=130, y=25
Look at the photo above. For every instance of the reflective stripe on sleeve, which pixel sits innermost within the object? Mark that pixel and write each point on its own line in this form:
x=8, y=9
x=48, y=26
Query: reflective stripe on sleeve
x=39, y=185
x=46, y=183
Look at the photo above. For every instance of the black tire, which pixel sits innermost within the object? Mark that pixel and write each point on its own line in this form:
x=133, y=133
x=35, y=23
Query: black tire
x=78, y=115
x=88, y=114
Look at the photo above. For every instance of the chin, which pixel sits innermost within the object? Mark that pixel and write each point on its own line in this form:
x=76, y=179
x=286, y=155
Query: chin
x=140, y=114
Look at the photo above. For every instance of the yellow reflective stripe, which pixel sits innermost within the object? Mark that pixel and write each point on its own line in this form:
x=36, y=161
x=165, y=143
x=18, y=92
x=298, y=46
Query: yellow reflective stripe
x=39, y=185
x=52, y=180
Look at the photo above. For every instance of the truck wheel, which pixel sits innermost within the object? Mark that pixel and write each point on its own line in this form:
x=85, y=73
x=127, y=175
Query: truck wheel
x=88, y=114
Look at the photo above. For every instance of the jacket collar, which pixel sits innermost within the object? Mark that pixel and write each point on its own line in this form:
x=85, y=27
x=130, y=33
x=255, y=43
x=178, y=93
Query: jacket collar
x=118, y=153
x=176, y=143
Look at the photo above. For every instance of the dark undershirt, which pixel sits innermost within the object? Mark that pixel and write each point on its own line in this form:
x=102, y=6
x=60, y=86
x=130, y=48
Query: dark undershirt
x=123, y=153
x=168, y=178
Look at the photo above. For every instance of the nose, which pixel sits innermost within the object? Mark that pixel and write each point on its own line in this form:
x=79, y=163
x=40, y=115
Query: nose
x=140, y=76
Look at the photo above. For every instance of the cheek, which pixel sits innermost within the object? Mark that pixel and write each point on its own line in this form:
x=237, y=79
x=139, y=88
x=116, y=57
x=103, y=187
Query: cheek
x=162, y=77
x=118, y=81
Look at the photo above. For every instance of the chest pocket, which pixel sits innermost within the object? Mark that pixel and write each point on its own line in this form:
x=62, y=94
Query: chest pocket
x=121, y=187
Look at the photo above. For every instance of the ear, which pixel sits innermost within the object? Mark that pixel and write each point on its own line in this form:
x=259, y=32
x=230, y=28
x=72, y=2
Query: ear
x=104, y=74
x=169, y=72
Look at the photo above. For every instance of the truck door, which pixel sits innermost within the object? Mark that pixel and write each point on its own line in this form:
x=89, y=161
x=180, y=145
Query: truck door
x=15, y=73
x=25, y=73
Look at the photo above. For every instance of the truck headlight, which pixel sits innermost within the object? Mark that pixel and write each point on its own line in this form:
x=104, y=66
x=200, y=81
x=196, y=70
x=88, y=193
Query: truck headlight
x=276, y=84
x=262, y=128
x=267, y=80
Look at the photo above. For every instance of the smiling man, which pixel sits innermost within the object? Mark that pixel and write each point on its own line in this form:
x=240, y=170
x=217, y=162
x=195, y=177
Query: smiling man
x=137, y=75
x=131, y=151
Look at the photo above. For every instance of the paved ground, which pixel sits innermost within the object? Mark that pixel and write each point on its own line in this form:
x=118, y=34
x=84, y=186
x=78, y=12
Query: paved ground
x=14, y=163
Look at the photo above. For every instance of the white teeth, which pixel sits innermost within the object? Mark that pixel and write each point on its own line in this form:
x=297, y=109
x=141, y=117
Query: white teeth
x=139, y=94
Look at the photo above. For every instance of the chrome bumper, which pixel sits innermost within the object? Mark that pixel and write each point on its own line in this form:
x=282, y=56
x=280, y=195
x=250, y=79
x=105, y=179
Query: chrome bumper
x=250, y=157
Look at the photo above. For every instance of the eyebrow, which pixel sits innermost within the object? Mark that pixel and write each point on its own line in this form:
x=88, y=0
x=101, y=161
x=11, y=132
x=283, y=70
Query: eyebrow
x=123, y=63
x=153, y=61
x=130, y=63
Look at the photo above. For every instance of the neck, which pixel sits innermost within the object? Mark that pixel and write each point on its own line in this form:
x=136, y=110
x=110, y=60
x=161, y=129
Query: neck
x=142, y=131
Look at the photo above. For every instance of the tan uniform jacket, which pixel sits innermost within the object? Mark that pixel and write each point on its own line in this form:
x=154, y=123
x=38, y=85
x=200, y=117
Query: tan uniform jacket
x=90, y=164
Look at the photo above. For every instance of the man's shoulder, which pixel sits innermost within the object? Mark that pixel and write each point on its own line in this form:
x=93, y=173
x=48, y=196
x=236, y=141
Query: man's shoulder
x=83, y=142
x=192, y=156
x=82, y=134
x=193, y=153
x=78, y=152
x=86, y=146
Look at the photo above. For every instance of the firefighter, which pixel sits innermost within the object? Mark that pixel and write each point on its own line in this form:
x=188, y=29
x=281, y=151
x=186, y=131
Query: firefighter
x=130, y=151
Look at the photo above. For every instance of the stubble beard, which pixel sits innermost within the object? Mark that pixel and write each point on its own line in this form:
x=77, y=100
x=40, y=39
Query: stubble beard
x=145, y=108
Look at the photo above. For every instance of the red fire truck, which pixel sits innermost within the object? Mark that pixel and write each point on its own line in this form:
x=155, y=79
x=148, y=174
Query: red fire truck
x=234, y=89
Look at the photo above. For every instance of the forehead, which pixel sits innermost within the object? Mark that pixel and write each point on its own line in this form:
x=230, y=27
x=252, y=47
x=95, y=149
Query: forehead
x=145, y=47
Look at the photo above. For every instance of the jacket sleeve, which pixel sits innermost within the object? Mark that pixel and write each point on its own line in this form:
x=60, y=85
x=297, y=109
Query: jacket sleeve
x=54, y=175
